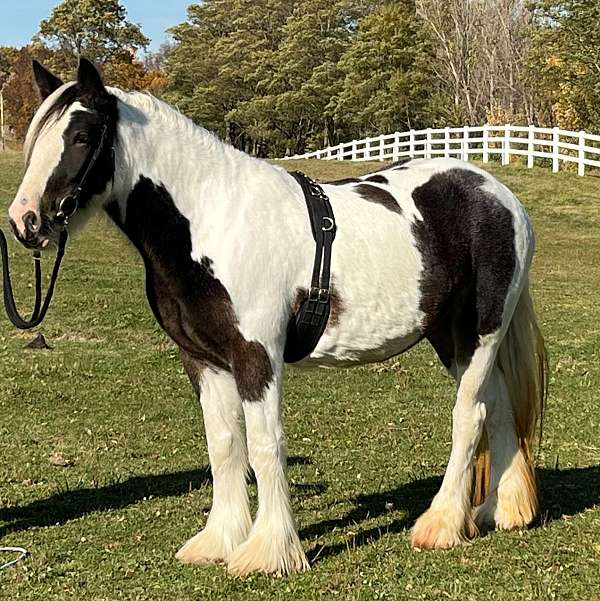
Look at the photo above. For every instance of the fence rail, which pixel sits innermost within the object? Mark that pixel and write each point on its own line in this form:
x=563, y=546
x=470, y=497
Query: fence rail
x=552, y=144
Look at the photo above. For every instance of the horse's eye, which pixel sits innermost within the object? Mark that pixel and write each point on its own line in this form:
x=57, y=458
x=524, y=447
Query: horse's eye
x=81, y=138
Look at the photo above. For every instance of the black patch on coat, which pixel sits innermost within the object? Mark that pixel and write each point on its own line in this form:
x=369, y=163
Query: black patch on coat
x=343, y=182
x=466, y=240
x=379, y=196
x=377, y=178
x=189, y=302
x=400, y=164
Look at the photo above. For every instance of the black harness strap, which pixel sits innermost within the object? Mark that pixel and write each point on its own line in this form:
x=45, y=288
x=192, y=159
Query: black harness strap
x=308, y=324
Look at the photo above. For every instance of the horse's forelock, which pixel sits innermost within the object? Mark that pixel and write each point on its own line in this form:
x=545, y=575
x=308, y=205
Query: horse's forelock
x=51, y=110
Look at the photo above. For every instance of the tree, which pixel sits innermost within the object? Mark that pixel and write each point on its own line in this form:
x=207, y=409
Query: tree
x=97, y=29
x=298, y=79
x=564, y=63
x=387, y=84
x=218, y=59
x=480, y=46
x=8, y=55
x=21, y=100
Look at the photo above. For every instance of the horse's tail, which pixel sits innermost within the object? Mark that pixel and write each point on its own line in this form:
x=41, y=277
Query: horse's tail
x=523, y=360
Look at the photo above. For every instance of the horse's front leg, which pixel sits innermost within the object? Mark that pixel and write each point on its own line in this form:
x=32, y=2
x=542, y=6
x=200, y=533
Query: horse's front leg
x=229, y=520
x=273, y=545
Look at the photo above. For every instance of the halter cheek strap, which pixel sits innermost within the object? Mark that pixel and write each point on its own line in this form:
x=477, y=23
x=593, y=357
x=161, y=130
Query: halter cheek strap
x=68, y=206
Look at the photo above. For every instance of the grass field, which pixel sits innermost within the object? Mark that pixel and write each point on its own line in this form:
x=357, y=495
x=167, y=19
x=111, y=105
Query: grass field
x=368, y=446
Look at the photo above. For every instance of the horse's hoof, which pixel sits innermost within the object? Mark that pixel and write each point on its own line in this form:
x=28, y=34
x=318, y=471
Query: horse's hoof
x=442, y=529
x=205, y=548
x=269, y=555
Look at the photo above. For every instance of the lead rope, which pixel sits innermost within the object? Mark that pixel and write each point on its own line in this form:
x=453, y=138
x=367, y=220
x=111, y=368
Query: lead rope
x=23, y=553
x=37, y=316
x=39, y=309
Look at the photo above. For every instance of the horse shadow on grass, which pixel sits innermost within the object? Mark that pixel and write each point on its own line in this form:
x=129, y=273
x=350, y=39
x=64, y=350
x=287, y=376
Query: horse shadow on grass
x=68, y=505
x=563, y=492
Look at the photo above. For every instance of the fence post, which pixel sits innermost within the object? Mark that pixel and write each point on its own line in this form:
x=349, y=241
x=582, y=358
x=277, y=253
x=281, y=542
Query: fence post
x=530, y=138
x=367, y=152
x=428, y=143
x=381, y=139
x=465, y=143
x=411, y=143
x=396, y=147
x=354, y=151
x=555, y=149
x=446, y=142
x=486, y=143
x=328, y=154
x=581, y=154
x=340, y=153
x=506, y=146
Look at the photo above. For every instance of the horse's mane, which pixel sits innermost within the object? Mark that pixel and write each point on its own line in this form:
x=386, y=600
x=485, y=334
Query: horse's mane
x=172, y=119
x=169, y=117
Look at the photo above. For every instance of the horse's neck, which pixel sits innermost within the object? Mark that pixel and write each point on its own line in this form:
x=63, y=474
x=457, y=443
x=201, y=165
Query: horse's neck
x=158, y=143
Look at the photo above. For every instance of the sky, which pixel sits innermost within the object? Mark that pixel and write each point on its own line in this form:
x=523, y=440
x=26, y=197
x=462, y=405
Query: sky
x=19, y=19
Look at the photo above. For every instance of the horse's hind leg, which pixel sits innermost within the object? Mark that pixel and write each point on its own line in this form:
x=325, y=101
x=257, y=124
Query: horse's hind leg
x=229, y=520
x=512, y=500
x=448, y=521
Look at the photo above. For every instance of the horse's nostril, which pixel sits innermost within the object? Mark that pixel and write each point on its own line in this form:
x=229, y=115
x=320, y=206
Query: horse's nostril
x=31, y=221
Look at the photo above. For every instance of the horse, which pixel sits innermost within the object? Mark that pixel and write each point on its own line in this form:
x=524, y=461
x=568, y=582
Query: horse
x=427, y=249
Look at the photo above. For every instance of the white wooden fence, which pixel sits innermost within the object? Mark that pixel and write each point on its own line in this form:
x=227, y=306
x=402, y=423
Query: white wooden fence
x=553, y=144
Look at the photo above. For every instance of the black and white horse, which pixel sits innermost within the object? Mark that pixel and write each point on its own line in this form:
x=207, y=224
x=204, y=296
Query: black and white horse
x=429, y=249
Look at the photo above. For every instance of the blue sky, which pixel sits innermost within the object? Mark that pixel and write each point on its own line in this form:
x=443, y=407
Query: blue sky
x=19, y=19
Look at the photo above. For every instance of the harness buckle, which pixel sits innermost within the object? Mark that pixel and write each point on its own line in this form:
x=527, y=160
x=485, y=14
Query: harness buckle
x=320, y=295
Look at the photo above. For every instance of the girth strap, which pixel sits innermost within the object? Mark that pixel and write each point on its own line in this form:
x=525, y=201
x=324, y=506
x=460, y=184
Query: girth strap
x=308, y=324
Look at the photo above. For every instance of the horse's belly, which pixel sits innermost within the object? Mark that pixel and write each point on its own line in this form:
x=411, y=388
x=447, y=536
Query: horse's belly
x=367, y=337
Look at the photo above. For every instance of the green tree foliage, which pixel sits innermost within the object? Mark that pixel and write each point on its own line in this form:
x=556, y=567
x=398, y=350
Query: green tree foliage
x=220, y=55
x=565, y=63
x=386, y=85
x=97, y=29
x=8, y=55
x=262, y=72
x=299, y=77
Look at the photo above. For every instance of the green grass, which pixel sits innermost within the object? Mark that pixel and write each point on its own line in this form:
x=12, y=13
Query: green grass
x=113, y=400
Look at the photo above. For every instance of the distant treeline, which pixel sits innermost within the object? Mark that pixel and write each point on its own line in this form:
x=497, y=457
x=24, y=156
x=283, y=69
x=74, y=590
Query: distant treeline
x=286, y=76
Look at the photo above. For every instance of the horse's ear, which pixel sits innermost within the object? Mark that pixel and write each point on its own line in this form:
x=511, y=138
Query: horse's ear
x=46, y=82
x=89, y=78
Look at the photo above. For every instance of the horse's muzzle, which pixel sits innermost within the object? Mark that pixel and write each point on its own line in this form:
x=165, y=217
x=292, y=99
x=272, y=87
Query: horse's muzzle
x=31, y=236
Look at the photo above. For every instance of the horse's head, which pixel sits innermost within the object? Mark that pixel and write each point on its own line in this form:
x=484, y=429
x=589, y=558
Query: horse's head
x=69, y=155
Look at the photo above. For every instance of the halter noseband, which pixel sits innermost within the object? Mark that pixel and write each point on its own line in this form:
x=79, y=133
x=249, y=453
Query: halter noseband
x=67, y=207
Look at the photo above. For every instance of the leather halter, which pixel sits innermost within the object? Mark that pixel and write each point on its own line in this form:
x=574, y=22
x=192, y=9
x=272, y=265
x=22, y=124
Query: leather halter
x=306, y=327
x=67, y=207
